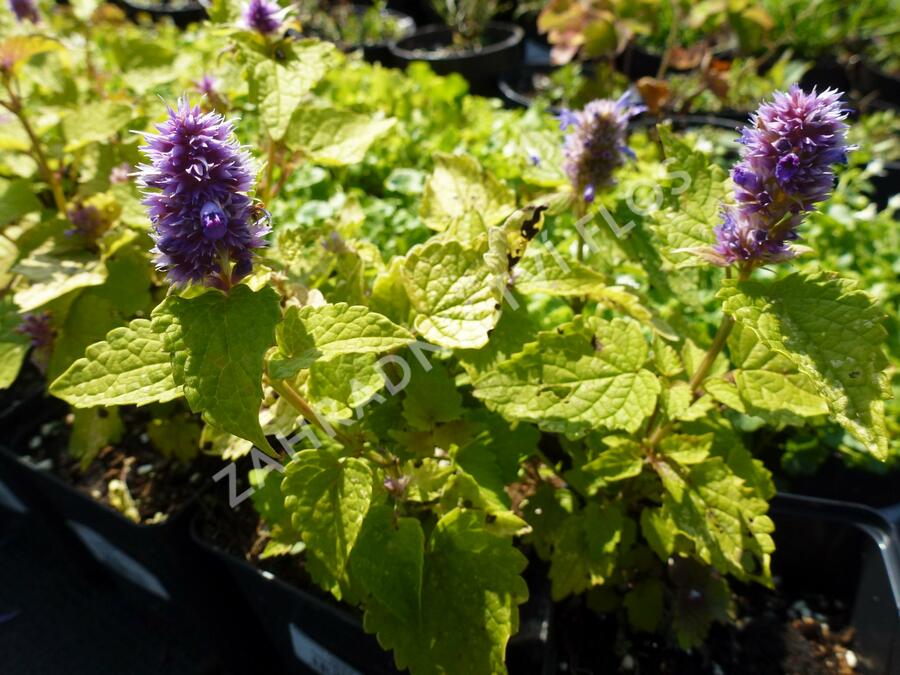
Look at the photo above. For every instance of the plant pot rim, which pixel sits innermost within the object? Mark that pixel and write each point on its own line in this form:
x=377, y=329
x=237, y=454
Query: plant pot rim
x=515, y=36
x=407, y=23
x=59, y=483
x=269, y=578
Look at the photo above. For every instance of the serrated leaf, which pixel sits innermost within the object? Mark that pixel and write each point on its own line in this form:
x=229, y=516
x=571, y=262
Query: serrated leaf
x=310, y=333
x=459, y=189
x=584, y=375
x=584, y=553
x=94, y=122
x=769, y=384
x=328, y=499
x=344, y=382
x=454, y=292
x=616, y=463
x=685, y=449
x=334, y=137
x=540, y=273
x=51, y=277
x=130, y=367
x=282, y=86
x=217, y=343
x=666, y=359
x=832, y=332
x=399, y=542
x=689, y=220
x=464, y=631
x=713, y=507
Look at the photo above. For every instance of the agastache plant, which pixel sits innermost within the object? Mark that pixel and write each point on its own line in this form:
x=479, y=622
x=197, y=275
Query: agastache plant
x=196, y=191
x=595, y=145
x=785, y=170
x=439, y=410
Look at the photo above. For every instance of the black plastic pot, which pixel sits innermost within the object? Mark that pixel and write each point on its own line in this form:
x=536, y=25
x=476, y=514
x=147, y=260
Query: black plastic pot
x=380, y=52
x=181, y=16
x=517, y=86
x=846, y=551
x=481, y=67
x=310, y=633
x=153, y=559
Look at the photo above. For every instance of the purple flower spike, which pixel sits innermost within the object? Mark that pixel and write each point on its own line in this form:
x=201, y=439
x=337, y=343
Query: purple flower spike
x=25, y=10
x=207, y=85
x=263, y=16
x=39, y=328
x=195, y=190
x=595, y=143
x=785, y=170
x=87, y=222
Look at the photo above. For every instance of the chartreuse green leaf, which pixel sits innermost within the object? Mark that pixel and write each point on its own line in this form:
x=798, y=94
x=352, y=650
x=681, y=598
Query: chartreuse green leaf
x=310, y=333
x=621, y=460
x=15, y=50
x=723, y=517
x=268, y=499
x=769, y=384
x=52, y=276
x=328, y=498
x=388, y=561
x=94, y=122
x=92, y=430
x=460, y=190
x=470, y=592
x=454, y=292
x=13, y=345
x=694, y=200
x=16, y=199
x=280, y=86
x=833, y=333
x=585, y=551
x=217, y=343
x=430, y=397
x=130, y=367
x=586, y=374
x=334, y=137
x=344, y=382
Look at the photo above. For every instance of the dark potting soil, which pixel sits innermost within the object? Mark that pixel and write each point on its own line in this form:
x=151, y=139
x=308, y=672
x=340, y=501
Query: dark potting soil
x=159, y=486
x=774, y=633
x=240, y=533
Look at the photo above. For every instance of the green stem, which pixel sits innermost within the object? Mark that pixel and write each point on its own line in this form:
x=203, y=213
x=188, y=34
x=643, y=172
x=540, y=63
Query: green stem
x=702, y=370
x=15, y=107
x=292, y=396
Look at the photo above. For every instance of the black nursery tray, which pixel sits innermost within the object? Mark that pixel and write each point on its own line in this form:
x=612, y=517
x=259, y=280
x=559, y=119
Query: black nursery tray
x=151, y=559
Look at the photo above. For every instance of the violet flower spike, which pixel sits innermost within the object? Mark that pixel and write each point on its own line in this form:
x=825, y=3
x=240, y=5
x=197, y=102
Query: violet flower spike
x=785, y=170
x=595, y=145
x=38, y=327
x=263, y=16
x=195, y=188
x=207, y=85
x=25, y=10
